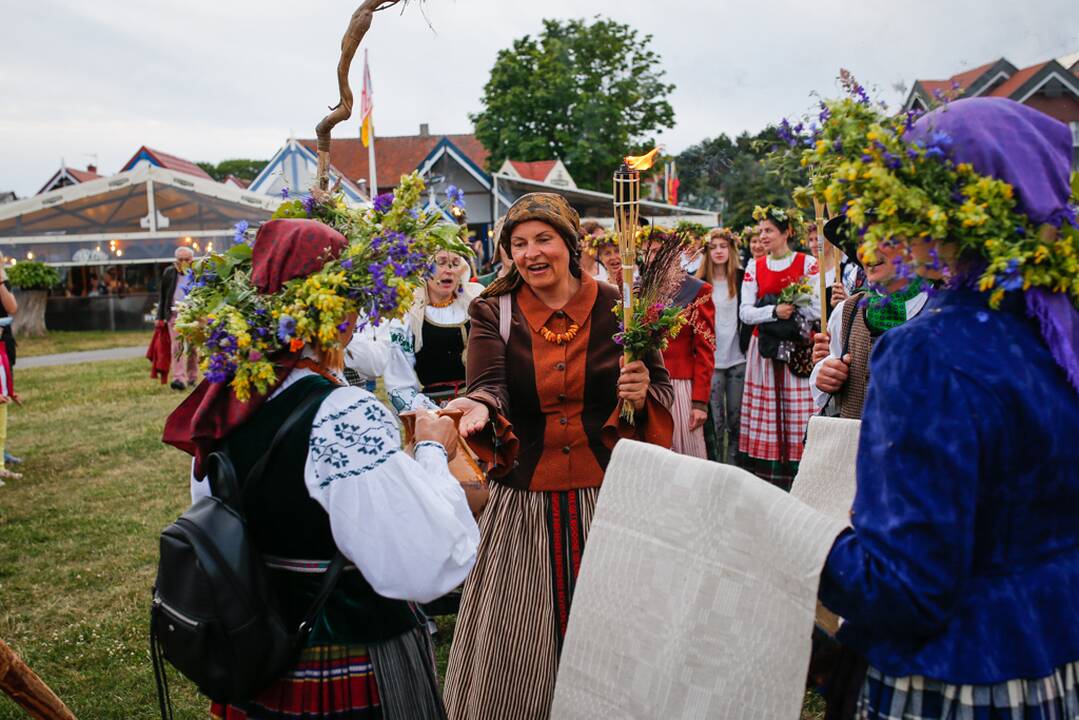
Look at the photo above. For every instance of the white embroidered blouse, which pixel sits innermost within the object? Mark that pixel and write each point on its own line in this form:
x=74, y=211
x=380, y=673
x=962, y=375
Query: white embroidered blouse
x=403, y=521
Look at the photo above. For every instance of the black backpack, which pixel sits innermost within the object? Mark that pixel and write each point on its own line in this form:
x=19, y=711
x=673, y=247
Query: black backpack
x=213, y=615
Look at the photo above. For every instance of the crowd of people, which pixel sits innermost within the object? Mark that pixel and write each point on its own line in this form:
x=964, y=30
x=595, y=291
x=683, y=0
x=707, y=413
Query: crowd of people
x=959, y=576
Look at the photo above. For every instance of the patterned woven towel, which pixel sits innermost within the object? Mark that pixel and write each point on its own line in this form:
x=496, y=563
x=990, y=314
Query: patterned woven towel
x=695, y=597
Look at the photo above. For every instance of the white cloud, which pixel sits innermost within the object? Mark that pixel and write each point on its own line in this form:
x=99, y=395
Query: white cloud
x=209, y=80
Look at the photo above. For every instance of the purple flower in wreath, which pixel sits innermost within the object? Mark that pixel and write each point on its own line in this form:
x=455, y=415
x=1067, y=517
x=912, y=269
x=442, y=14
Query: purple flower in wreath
x=284, y=193
x=455, y=196
x=383, y=202
x=343, y=327
x=347, y=263
x=240, y=232
x=286, y=328
x=309, y=204
x=1012, y=278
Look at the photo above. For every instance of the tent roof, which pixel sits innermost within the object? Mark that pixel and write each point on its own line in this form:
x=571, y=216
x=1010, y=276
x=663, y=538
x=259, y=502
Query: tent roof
x=57, y=224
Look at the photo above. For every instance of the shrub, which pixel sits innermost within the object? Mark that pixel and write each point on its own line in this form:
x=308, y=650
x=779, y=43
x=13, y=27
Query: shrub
x=33, y=276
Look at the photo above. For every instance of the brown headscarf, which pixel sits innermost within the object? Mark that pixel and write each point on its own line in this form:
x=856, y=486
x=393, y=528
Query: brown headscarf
x=550, y=208
x=284, y=250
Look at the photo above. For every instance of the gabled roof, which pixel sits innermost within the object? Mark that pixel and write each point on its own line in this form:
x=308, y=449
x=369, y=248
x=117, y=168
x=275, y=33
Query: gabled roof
x=1017, y=80
x=238, y=182
x=294, y=166
x=536, y=170
x=167, y=161
x=68, y=176
x=395, y=155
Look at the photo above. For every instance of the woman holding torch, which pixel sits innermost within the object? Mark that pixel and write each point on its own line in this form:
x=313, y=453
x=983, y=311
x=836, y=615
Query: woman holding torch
x=546, y=386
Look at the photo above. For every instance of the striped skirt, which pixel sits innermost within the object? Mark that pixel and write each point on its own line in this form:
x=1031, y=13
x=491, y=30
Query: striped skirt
x=776, y=407
x=516, y=604
x=394, y=680
x=686, y=441
x=1055, y=697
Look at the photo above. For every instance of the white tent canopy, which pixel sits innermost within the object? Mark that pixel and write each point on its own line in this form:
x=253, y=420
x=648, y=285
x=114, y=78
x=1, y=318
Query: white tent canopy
x=136, y=216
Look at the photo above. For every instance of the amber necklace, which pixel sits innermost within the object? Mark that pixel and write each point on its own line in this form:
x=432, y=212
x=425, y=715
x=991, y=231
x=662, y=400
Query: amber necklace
x=445, y=304
x=560, y=338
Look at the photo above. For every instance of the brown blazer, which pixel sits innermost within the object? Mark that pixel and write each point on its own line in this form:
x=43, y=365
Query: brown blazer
x=556, y=407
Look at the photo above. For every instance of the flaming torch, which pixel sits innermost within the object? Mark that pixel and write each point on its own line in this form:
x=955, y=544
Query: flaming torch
x=627, y=212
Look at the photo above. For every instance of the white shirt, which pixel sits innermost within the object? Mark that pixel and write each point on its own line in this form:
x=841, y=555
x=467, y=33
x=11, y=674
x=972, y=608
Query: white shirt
x=752, y=315
x=728, y=353
x=403, y=521
x=692, y=265
x=373, y=354
x=835, y=342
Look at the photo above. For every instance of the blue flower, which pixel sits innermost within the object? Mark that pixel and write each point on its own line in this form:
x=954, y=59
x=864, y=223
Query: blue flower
x=309, y=204
x=1012, y=278
x=284, y=193
x=240, y=230
x=455, y=196
x=343, y=327
x=347, y=263
x=383, y=202
x=934, y=152
x=892, y=161
x=837, y=145
x=286, y=327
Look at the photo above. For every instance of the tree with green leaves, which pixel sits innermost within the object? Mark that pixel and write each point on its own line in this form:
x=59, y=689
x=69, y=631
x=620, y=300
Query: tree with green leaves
x=243, y=169
x=732, y=176
x=587, y=93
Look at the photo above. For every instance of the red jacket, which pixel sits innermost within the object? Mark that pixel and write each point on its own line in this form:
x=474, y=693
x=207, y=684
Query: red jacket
x=692, y=354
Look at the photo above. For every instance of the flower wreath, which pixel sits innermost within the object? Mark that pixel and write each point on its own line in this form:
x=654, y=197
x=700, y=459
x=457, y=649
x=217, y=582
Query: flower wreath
x=792, y=217
x=240, y=331
x=893, y=190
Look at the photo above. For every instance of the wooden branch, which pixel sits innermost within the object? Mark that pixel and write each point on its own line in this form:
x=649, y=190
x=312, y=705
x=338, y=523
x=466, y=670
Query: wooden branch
x=357, y=28
x=28, y=691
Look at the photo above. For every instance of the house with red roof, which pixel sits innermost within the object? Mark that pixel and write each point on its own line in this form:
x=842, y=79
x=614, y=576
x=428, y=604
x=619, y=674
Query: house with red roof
x=1051, y=87
x=149, y=156
x=69, y=176
x=551, y=172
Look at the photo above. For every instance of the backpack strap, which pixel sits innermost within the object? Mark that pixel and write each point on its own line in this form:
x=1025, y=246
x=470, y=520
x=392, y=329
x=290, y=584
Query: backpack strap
x=333, y=572
x=505, y=316
x=254, y=477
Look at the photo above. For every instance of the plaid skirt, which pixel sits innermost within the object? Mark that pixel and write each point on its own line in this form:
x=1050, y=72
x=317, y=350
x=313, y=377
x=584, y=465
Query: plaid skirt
x=776, y=407
x=1055, y=697
x=394, y=680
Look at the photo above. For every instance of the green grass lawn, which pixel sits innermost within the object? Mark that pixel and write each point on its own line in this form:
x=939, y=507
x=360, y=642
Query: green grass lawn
x=61, y=341
x=78, y=538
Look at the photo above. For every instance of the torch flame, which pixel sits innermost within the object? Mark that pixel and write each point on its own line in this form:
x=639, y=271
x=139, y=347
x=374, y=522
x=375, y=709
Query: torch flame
x=642, y=162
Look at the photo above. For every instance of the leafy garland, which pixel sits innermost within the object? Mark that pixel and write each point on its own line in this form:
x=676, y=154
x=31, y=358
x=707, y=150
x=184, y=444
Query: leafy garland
x=895, y=191
x=240, y=331
x=791, y=217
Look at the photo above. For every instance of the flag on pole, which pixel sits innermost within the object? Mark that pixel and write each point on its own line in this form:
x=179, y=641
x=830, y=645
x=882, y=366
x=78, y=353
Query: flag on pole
x=366, y=103
x=672, y=183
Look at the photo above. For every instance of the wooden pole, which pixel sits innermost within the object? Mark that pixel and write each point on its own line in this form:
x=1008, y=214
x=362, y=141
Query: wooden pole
x=357, y=28
x=818, y=206
x=627, y=207
x=28, y=691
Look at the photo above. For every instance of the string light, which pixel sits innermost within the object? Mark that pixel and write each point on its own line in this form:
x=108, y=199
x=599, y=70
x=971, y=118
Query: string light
x=30, y=256
x=119, y=253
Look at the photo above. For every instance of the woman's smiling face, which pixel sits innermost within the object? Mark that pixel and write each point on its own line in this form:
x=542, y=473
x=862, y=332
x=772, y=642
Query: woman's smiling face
x=540, y=254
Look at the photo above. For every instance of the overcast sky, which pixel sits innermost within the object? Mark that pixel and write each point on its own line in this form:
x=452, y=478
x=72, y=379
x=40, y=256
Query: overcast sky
x=212, y=80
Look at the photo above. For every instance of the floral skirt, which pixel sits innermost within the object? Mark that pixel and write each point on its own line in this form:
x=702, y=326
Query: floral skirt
x=776, y=407
x=516, y=604
x=1055, y=697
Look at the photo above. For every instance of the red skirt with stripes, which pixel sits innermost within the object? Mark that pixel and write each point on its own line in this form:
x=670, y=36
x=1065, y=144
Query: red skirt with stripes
x=329, y=681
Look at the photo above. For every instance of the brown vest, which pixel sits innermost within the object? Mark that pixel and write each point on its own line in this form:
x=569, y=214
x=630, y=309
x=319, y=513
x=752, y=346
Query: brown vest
x=858, y=343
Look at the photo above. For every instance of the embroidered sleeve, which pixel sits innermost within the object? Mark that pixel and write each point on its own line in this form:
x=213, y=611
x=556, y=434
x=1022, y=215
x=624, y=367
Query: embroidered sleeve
x=405, y=523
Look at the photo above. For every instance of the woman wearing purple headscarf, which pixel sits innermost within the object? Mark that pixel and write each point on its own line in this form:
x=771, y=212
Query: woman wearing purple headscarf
x=959, y=579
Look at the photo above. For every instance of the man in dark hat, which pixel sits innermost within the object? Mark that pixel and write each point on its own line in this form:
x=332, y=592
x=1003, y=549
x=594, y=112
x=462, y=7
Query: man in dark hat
x=841, y=355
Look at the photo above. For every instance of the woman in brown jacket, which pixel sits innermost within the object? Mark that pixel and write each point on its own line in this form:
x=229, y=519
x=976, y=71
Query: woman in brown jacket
x=543, y=407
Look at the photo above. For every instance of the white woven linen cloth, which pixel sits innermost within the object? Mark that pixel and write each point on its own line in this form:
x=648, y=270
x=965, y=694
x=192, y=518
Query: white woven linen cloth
x=826, y=474
x=696, y=595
